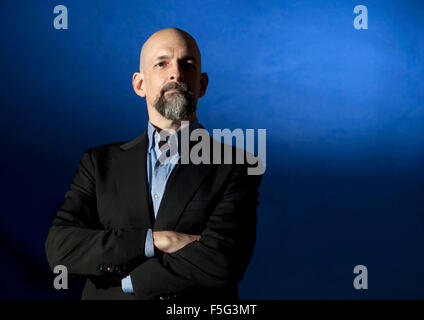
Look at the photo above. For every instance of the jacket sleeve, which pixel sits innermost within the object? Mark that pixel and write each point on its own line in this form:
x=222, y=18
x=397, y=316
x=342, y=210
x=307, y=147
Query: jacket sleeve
x=221, y=255
x=77, y=239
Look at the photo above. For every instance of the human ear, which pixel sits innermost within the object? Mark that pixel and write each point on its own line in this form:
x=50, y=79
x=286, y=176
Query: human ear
x=204, y=80
x=137, y=82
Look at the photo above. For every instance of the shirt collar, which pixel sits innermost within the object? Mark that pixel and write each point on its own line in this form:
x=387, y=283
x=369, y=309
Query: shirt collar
x=151, y=131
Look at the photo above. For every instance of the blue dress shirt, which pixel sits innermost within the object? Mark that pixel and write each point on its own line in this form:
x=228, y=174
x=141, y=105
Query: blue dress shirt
x=159, y=167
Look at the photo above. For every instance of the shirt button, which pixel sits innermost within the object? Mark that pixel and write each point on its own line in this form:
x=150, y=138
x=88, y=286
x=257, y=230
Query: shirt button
x=156, y=196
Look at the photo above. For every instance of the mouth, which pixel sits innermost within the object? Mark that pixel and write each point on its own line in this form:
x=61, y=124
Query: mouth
x=175, y=90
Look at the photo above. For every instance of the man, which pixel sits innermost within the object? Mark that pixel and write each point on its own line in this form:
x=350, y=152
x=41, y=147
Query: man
x=140, y=223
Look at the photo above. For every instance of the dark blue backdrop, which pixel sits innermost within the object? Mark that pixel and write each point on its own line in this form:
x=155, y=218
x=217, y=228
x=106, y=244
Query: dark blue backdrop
x=343, y=109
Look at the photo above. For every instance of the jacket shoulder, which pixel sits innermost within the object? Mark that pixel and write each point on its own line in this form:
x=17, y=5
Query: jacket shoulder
x=104, y=149
x=115, y=147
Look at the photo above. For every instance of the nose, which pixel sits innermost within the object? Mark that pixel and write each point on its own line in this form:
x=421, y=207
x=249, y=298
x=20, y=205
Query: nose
x=176, y=73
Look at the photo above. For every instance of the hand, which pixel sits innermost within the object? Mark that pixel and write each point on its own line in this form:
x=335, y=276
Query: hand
x=171, y=241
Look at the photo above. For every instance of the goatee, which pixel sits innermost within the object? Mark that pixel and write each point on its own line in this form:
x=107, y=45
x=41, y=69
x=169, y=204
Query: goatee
x=177, y=105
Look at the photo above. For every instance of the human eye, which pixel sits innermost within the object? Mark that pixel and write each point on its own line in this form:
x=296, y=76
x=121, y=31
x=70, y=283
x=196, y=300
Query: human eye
x=160, y=64
x=189, y=64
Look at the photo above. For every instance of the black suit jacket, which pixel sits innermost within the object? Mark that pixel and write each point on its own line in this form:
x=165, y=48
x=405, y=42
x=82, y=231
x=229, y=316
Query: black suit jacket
x=99, y=231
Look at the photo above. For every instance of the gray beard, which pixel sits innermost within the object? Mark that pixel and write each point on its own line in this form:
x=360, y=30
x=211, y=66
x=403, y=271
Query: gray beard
x=176, y=106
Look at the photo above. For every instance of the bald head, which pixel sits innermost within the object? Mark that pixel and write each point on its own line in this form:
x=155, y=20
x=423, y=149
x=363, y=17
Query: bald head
x=164, y=36
x=170, y=77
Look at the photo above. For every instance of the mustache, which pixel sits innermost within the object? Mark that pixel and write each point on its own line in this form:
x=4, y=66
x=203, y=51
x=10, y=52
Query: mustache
x=178, y=86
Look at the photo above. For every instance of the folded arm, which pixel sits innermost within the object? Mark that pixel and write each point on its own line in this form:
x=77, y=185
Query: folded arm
x=78, y=241
x=219, y=257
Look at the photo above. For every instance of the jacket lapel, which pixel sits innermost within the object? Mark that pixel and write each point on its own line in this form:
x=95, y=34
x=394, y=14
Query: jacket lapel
x=132, y=182
x=182, y=184
x=184, y=181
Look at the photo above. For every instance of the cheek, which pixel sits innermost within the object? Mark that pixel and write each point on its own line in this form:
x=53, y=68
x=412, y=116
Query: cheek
x=195, y=89
x=153, y=92
x=195, y=85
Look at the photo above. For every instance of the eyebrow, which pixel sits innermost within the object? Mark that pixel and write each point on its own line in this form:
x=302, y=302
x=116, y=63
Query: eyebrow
x=185, y=58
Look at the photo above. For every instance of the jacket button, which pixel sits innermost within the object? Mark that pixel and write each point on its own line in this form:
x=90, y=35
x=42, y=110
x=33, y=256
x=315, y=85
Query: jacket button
x=164, y=297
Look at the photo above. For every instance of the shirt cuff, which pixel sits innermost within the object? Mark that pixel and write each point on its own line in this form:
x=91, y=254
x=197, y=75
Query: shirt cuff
x=149, y=250
x=127, y=284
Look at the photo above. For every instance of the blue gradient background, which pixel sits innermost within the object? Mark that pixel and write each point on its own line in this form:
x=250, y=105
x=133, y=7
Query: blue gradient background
x=343, y=109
